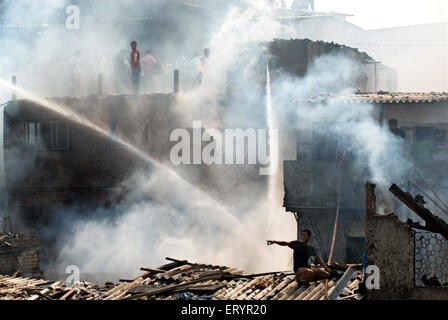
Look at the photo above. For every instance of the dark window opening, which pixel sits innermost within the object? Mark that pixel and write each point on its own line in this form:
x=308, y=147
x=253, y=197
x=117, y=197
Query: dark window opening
x=439, y=136
x=144, y=141
x=60, y=136
x=50, y=135
x=32, y=133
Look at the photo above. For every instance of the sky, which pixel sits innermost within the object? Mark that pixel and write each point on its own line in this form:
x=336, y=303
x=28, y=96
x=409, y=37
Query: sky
x=376, y=14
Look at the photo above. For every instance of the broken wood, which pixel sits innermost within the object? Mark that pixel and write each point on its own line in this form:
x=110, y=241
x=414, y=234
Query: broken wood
x=431, y=187
x=338, y=208
x=444, y=210
x=431, y=220
x=153, y=271
x=370, y=199
x=15, y=274
x=169, y=288
x=68, y=294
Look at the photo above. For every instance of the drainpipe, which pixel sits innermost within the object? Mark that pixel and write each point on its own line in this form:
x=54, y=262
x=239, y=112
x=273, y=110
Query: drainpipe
x=176, y=81
x=14, y=83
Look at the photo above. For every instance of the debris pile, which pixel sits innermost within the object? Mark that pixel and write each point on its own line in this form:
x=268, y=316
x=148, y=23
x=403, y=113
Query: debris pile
x=183, y=280
x=18, y=288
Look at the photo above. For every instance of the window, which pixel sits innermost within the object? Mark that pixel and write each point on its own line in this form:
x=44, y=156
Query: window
x=59, y=136
x=439, y=136
x=50, y=135
x=144, y=141
x=435, y=134
x=32, y=133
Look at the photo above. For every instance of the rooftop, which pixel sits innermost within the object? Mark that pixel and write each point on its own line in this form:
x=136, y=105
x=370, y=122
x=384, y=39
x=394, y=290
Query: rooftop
x=183, y=280
x=385, y=97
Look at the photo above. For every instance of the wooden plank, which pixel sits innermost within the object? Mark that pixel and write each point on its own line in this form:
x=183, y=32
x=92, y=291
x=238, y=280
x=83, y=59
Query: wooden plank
x=36, y=296
x=170, y=288
x=124, y=290
x=431, y=220
x=370, y=199
x=341, y=284
x=152, y=270
x=68, y=294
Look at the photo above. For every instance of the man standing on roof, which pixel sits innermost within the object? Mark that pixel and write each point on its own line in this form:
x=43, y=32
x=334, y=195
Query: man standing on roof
x=302, y=251
x=148, y=67
x=203, y=65
x=303, y=5
x=135, y=66
x=393, y=126
x=398, y=132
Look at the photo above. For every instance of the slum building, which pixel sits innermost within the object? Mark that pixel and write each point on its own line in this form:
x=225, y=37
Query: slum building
x=311, y=181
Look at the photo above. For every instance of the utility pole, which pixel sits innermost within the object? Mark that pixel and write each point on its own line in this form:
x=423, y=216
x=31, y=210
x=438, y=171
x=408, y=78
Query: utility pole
x=14, y=83
x=375, y=74
x=176, y=81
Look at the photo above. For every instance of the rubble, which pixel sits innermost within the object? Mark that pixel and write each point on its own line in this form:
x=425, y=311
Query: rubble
x=183, y=280
x=18, y=288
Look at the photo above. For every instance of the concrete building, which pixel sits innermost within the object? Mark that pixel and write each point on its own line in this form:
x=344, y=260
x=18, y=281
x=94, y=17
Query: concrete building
x=311, y=180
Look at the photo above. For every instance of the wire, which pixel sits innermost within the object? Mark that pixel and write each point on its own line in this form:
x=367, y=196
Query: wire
x=429, y=197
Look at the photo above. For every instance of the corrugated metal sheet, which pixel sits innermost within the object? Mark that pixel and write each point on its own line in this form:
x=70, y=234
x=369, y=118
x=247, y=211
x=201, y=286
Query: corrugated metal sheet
x=386, y=98
x=189, y=281
x=182, y=280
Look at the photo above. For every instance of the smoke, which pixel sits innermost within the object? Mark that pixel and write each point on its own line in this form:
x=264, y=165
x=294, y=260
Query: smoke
x=164, y=218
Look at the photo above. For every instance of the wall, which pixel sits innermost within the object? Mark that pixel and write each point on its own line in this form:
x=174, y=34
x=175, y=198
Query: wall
x=390, y=246
x=91, y=170
x=312, y=184
x=410, y=50
x=21, y=254
x=417, y=113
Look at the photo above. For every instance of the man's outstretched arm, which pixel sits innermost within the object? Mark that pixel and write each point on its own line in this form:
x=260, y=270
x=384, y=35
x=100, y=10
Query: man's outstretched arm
x=280, y=243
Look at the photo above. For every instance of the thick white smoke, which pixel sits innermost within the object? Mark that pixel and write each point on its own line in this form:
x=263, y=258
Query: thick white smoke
x=179, y=221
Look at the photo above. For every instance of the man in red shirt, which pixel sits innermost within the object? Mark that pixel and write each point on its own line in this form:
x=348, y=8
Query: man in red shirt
x=135, y=66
